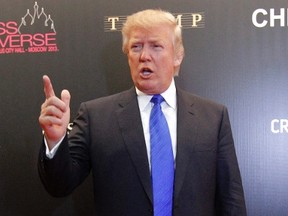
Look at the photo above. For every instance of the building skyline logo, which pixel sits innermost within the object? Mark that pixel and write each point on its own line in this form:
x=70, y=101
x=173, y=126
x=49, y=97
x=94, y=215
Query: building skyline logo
x=37, y=15
x=36, y=33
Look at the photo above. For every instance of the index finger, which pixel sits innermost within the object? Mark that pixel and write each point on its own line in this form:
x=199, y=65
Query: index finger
x=48, y=88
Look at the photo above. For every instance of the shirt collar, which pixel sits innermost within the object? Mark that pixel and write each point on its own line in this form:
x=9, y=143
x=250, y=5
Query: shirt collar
x=169, y=95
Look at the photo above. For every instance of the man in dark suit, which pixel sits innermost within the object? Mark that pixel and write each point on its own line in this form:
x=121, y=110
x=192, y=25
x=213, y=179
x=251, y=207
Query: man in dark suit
x=111, y=135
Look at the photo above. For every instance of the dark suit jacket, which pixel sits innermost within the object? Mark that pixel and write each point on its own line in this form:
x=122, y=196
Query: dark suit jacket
x=107, y=137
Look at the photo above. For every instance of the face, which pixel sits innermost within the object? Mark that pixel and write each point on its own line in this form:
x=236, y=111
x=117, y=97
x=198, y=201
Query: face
x=152, y=59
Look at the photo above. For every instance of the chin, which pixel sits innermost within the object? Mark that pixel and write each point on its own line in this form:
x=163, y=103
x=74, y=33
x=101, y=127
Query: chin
x=149, y=87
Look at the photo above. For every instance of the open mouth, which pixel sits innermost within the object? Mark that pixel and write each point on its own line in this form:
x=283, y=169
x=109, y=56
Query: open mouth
x=146, y=72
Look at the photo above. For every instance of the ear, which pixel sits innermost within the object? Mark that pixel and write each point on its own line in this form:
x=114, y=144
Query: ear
x=178, y=59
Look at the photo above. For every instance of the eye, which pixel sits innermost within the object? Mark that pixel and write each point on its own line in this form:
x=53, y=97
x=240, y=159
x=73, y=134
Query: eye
x=136, y=47
x=157, y=46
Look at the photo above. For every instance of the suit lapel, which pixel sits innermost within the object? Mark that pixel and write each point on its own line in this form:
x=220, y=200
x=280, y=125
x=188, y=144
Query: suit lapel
x=186, y=136
x=131, y=127
x=130, y=124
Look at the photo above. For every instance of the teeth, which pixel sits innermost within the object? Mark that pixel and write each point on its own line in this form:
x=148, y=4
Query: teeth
x=146, y=72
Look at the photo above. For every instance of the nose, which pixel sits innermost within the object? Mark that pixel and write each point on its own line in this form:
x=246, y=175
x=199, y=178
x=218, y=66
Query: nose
x=145, y=55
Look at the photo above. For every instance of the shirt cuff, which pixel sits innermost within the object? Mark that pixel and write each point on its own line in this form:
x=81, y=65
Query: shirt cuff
x=50, y=154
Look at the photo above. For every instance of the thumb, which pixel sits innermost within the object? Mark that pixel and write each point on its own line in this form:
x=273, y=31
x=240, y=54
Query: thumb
x=65, y=97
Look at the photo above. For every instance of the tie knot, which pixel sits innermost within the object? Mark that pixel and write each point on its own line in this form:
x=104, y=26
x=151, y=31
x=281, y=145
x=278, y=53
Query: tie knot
x=157, y=99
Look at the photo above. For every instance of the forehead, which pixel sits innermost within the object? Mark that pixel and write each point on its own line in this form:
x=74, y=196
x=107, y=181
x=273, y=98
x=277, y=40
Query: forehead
x=152, y=33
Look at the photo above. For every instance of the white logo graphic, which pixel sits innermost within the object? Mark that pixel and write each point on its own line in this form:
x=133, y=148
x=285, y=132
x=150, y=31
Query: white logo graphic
x=262, y=18
x=37, y=15
x=279, y=126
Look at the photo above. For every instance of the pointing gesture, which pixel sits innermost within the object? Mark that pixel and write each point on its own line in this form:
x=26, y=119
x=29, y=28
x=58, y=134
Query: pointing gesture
x=55, y=114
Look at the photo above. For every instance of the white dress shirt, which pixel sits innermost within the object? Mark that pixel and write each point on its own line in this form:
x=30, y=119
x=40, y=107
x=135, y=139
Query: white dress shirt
x=169, y=108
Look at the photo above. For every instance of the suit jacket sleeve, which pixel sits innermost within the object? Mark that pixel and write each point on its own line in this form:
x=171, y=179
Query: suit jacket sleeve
x=71, y=163
x=229, y=190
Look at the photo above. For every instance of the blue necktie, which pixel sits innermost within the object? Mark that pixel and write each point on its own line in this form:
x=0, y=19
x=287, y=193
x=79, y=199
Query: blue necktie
x=162, y=161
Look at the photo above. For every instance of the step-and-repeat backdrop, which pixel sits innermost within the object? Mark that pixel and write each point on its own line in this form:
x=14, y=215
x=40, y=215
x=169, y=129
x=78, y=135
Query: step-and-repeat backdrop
x=236, y=54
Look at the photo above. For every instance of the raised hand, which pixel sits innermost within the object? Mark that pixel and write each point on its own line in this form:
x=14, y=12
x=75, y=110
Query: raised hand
x=55, y=114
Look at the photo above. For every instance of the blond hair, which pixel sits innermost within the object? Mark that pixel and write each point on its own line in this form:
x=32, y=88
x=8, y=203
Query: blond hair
x=152, y=18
